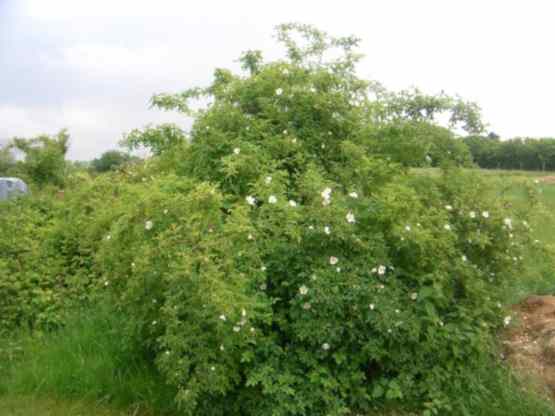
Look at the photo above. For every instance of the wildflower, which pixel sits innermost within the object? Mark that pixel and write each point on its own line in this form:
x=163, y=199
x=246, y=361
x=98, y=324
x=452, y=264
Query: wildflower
x=294, y=140
x=222, y=348
x=428, y=159
x=285, y=71
x=485, y=214
x=268, y=180
x=236, y=150
x=306, y=306
x=353, y=195
x=252, y=330
x=507, y=320
x=165, y=212
x=250, y=237
x=338, y=270
x=108, y=237
x=414, y=296
x=213, y=368
x=448, y=207
x=325, y=346
x=464, y=258
x=148, y=225
x=447, y=227
x=312, y=89
x=292, y=203
x=536, y=181
x=407, y=228
x=285, y=132
x=279, y=91
x=508, y=223
x=381, y=270
x=263, y=268
x=272, y=199
x=303, y=290
x=154, y=322
x=236, y=328
x=223, y=318
x=350, y=218
x=327, y=230
x=333, y=260
x=326, y=196
x=251, y=200
x=311, y=227
x=472, y=214
x=263, y=286
x=106, y=283
x=372, y=306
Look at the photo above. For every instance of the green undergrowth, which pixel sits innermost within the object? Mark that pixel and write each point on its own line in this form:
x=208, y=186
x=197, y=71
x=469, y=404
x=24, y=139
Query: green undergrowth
x=91, y=359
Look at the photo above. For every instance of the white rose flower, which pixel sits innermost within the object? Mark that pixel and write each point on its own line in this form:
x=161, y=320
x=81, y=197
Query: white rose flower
x=251, y=200
x=350, y=218
x=303, y=290
x=236, y=150
x=272, y=199
x=353, y=195
x=333, y=260
x=292, y=203
x=472, y=214
x=327, y=230
x=381, y=270
x=279, y=91
x=325, y=346
x=148, y=225
x=485, y=214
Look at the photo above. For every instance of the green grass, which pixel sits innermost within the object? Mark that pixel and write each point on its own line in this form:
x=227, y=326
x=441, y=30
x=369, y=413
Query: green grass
x=89, y=360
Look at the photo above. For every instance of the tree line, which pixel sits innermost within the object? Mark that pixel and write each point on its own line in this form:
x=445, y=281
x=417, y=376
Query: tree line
x=489, y=152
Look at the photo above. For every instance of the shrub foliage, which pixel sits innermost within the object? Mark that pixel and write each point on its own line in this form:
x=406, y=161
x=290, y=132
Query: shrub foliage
x=278, y=259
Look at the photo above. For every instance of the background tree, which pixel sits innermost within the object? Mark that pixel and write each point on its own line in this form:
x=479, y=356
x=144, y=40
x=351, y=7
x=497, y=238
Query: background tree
x=7, y=161
x=44, y=158
x=110, y=160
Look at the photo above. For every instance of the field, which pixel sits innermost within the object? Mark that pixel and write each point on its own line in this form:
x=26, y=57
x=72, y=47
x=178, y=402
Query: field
x=81, y=372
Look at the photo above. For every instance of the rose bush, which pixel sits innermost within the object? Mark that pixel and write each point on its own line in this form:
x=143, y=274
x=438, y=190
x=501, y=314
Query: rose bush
x=278, y=259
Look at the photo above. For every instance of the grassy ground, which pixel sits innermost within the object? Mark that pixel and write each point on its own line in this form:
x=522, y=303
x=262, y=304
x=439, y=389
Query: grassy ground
x=86, y=369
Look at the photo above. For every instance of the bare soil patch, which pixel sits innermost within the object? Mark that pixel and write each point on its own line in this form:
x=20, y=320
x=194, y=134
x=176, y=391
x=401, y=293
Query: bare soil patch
x=530, y=344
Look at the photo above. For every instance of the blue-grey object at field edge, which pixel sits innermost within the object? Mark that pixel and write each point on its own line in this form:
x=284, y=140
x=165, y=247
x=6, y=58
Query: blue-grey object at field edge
x=10, y=187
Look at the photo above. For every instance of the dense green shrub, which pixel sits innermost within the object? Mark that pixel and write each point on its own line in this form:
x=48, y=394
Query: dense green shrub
x=289, y=269
x=279, y=259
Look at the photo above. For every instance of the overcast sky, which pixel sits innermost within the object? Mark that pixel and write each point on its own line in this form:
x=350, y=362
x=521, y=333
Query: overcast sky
x=92, y=65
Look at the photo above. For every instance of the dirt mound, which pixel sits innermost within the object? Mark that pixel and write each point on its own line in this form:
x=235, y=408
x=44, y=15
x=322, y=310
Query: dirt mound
x=547, y=179
x=530, y=344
